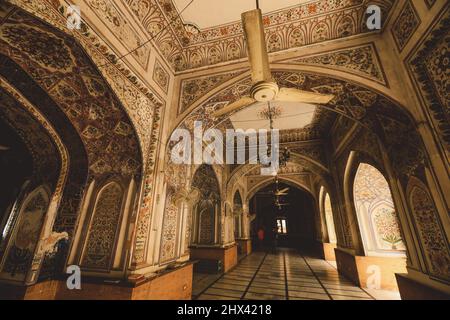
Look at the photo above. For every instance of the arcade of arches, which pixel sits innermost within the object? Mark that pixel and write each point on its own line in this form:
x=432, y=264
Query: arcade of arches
x=86, y=117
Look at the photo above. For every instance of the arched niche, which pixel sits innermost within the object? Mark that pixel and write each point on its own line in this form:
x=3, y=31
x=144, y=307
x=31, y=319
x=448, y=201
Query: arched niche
x=177, y=224
x=326, y=210
x=102, y=226
x=430, y=230
x=207, y=208
x=25, y=233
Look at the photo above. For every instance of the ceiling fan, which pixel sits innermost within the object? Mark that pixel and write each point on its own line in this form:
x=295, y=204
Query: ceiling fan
x=279, y=204
x=282, y=192
x=276, y=191
x=264, y=88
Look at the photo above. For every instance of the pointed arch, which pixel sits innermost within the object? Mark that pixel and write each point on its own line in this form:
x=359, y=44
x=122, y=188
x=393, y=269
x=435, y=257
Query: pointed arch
x=101, y=238
x=207, y=209
x=427, y=222
x=376, y=214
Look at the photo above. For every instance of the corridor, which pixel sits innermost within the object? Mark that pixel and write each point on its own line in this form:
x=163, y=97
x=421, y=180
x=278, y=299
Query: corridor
x=285, y=275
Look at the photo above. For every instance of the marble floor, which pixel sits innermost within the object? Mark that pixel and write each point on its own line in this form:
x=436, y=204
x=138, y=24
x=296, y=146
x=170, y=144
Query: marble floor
x=285, y=275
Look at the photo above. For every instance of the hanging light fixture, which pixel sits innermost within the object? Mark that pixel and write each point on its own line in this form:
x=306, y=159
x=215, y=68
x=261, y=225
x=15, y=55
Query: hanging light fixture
x=285, y=155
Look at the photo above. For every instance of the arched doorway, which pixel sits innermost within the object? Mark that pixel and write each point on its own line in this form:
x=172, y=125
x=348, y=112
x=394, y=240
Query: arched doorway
x=15, y=170
x=286, y=214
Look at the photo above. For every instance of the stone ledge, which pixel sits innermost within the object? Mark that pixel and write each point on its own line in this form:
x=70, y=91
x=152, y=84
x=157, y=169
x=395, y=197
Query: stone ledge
x=227, y=254
x=170, y=284
x=356, y=268
x=411, y=289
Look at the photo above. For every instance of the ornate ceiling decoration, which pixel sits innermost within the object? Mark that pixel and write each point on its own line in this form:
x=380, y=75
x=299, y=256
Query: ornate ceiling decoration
x=140, y=101
x=429, y=69
x=108, y=12
x=290, y=168
x=46, y=158
x=186, y=47
x=365, y=107
x=194, y=88
x=61, y=68
x=349, y=98
x=406, y=24
x=40, y=107
x=361, y=60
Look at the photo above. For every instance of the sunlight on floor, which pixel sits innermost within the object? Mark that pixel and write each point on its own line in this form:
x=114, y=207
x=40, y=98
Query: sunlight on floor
x=283, y=276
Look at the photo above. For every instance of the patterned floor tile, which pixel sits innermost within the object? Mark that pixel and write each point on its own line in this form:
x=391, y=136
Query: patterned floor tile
x=263, y=276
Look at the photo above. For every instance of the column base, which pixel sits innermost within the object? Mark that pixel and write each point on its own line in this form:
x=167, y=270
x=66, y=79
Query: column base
x=228, y=255
x=328, y=251
x=411, y=289
x=358, y=269
x=173, y=284
x=244, y=246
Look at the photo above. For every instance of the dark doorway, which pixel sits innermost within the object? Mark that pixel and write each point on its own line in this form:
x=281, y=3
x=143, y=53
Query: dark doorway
x=15, y=170
x=286, y=213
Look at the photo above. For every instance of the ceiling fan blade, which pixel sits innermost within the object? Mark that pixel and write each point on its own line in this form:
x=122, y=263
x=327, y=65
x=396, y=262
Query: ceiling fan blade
x=243, y=102
x=3, y=148
x=284, y=190
x=295, y=95
x=256, y=46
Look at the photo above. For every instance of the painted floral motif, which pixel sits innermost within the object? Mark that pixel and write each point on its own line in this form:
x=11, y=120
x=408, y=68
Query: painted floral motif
x=406, y=24
x=193, y=89
x=361, y=60
x=429, y=65
x=427, y=221
x=185, y=48
x=31, y=217
x=48, y=50
x=61, y=67
x=161, y=76
x=102, y=232
x=205, y=181
x=386, y=223
x=118, y=25
x=169, y=230
x=375, y=211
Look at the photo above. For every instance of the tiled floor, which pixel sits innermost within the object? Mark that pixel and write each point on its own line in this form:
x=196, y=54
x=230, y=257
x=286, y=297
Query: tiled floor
x=281, y=276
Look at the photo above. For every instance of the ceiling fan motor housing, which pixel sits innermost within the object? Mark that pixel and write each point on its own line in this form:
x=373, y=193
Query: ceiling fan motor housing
x=264, y=91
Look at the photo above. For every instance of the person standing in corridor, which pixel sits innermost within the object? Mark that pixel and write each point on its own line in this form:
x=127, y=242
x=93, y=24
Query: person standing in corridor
x=260, y=238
